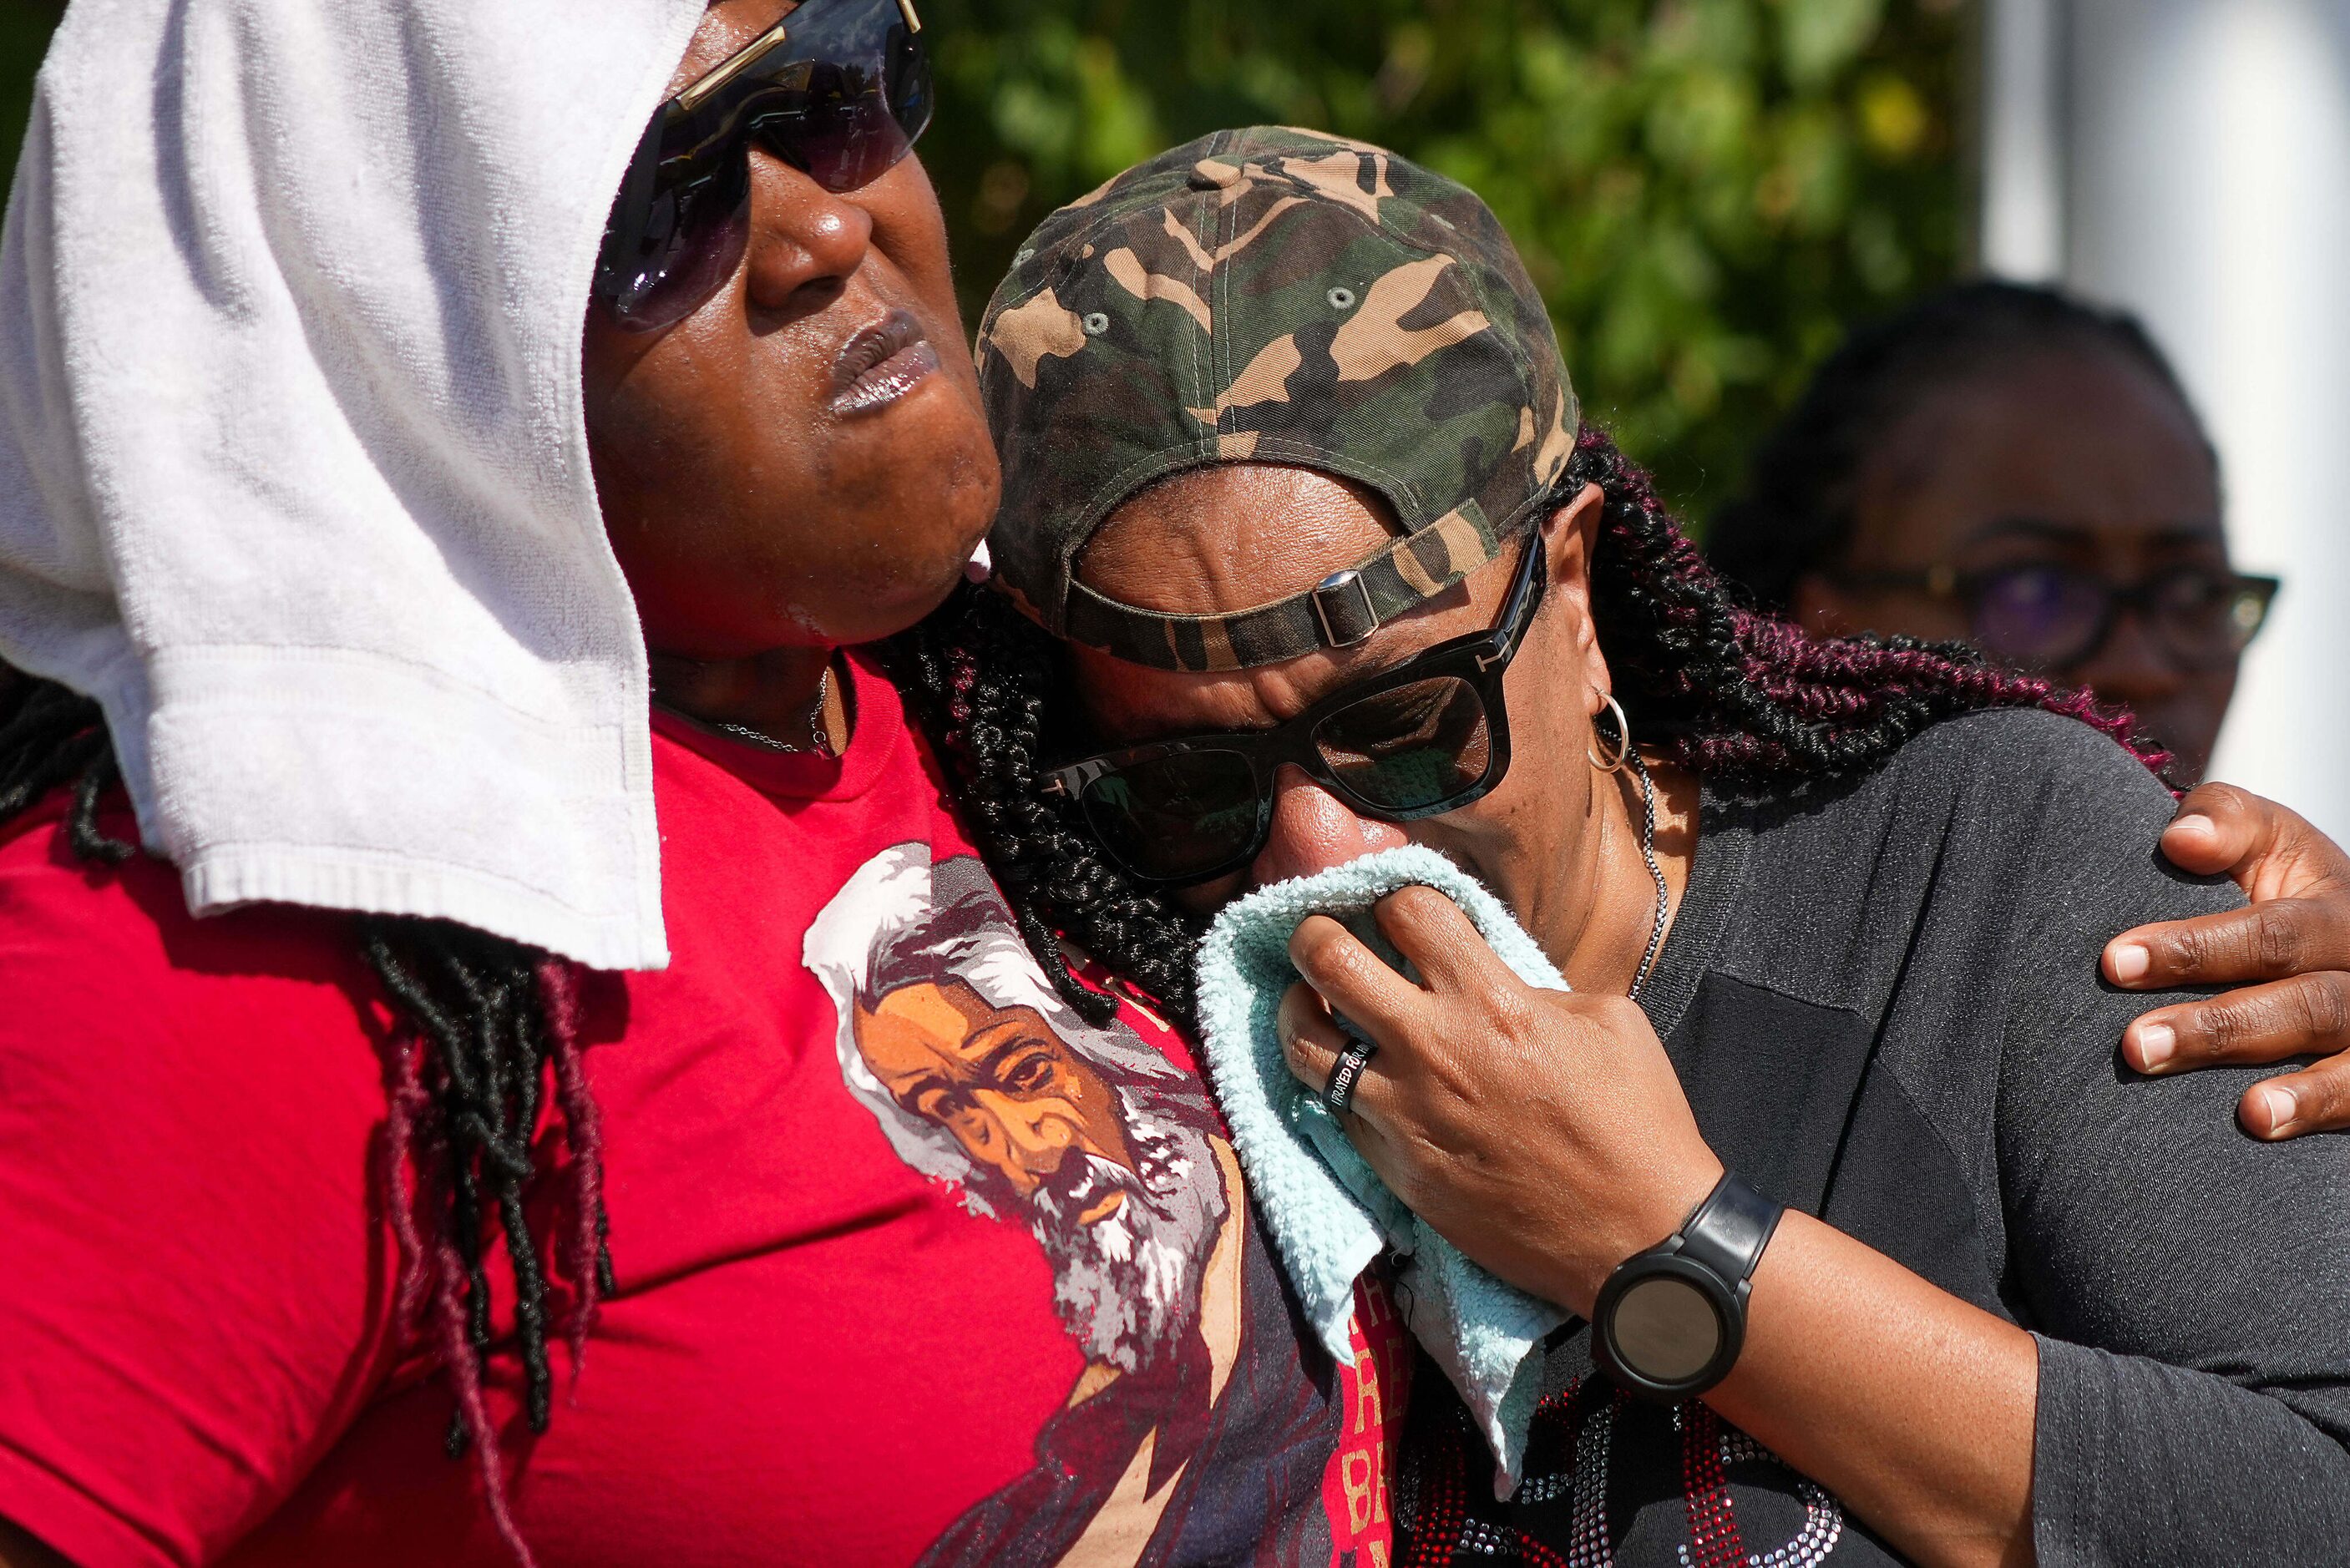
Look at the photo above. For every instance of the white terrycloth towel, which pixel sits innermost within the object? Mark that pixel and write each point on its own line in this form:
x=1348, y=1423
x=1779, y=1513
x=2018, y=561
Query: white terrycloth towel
x=1330, y=1216
x=294, y=476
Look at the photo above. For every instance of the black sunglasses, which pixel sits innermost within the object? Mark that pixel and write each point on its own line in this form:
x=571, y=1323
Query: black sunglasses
x=839, y=90
x=2047, y=617
x=1430, y=735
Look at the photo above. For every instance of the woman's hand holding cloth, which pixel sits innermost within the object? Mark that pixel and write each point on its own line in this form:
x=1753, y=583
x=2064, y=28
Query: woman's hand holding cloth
x=2028, y=1300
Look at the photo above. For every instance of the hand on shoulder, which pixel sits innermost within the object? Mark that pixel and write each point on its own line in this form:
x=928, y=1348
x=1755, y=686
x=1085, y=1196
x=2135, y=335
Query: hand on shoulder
x=2287, y=954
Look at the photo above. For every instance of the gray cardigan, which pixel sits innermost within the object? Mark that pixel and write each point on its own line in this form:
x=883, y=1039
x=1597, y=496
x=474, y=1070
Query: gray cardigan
x=1885, y=1006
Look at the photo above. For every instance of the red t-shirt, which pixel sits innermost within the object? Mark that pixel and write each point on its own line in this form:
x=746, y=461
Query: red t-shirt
x=913, y=1264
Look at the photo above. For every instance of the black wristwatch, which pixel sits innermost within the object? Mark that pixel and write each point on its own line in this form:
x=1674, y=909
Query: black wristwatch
x=1670, y=1320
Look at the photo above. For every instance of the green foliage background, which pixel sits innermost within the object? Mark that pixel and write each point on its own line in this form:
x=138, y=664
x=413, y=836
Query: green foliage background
x=1704, y=190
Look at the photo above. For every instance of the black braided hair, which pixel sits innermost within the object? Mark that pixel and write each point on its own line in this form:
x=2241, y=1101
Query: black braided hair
x=48, y=736
x=1745, y=698
x=481, y=1027
x=986, y=680
x=1795, y=514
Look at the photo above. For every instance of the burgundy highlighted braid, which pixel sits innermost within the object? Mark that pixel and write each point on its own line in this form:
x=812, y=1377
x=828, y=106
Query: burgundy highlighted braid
x=1747, y=699
x=482, y=1029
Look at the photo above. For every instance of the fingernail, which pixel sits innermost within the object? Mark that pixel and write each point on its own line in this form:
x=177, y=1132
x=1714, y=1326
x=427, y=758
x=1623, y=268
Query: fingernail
x=2195, y=822
x=2281, y=1107
x=2156, y=1043
x=2131, y=962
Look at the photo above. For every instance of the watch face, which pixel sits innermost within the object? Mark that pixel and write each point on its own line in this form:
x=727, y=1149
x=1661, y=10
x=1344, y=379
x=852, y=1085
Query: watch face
x=1666, y=1329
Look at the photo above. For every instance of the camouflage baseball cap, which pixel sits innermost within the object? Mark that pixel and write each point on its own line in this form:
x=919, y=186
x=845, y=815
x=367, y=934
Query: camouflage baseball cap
x=1269, y=295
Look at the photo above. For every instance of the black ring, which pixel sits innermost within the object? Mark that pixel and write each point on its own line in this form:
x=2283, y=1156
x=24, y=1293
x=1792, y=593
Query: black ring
x=1346, y=1072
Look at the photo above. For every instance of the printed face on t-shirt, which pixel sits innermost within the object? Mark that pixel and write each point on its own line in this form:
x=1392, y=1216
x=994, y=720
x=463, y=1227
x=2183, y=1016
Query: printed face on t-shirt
x=981, y=1076
x=1014, y=1095
x=1194, y=1419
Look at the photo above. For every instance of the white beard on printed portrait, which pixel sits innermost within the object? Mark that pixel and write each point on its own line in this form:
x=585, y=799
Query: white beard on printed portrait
x=981, y=1076
x=1128, y=1282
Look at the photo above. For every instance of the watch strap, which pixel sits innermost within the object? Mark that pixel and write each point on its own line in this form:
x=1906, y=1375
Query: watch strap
x=1728, y=1231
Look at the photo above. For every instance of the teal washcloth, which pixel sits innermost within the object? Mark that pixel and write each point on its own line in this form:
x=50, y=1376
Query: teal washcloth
x=1330, y=1216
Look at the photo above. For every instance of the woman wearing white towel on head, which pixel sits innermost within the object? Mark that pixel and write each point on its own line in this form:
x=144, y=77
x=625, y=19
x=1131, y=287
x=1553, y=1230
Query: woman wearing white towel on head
x=1878, y=1253
x=462, y=1139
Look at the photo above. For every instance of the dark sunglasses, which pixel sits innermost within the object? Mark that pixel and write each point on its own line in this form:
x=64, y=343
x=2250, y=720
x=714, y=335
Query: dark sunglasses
x=839, y=90
x=2046, y=616
x=1430, y=735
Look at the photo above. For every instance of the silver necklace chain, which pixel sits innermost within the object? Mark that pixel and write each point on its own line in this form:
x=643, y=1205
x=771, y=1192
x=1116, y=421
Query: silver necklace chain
x=817, y=740
x=1649, y=853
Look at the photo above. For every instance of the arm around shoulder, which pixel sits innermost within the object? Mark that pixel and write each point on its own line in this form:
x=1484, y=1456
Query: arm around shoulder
x=2190, y=1285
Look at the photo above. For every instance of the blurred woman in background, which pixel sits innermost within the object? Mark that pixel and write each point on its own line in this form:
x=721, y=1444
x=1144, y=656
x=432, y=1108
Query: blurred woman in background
x=2012, y=466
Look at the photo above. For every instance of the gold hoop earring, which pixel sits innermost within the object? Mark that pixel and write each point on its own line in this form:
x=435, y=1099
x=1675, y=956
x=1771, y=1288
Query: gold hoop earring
x=1623, y=750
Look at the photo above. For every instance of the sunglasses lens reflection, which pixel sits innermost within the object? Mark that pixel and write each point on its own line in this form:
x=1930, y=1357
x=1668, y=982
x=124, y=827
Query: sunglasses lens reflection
x=841, y=97
x=1411, y=747
x=854, y=104
x=1176, y=816
x=1408, y=750
x=835, y=126
x=694, y=237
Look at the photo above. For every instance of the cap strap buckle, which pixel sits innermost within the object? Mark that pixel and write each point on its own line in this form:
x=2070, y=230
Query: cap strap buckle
x=1342, y=603
x=1340, y=611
